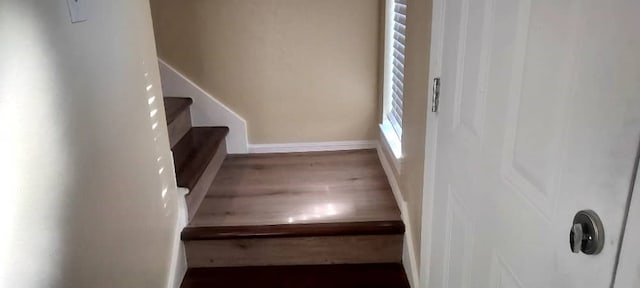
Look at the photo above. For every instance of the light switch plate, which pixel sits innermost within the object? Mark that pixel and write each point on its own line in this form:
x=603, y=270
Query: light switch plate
x=77, y=10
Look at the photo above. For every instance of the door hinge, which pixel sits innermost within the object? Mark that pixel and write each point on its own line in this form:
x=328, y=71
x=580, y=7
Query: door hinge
x=435, y=97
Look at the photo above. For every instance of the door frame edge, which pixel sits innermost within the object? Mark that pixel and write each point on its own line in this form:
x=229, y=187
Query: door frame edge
x=428, y=190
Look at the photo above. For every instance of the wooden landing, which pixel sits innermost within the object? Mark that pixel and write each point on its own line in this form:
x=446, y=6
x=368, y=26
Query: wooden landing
x=297, y=194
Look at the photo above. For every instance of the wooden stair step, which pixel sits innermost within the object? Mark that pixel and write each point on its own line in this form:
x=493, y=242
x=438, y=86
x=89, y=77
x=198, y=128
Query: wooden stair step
x=307, y=250
x=173, y=106
x=178, y=117
x=293, y=230
x=198, y=157
x=321, y=276
x=295, y=244
x=194, y=151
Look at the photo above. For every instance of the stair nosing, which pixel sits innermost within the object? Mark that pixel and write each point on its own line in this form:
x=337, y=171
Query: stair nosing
x=388, y=227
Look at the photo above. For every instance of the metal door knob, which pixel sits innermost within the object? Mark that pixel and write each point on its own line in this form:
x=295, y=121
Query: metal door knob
x=587, y=233
x=576, y=237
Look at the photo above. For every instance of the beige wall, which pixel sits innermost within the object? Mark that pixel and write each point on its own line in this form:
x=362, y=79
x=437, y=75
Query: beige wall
x=416, y=107
x=296, y=70
x=84, y=202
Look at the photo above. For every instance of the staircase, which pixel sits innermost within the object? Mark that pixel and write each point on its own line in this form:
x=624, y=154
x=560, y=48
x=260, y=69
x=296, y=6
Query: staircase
x=281, y=210
x=198, y=152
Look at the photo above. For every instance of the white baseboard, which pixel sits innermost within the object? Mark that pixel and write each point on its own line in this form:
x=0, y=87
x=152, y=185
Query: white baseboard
x=408, y=252
x=311, y=147
x=178, y=256
x=206, y=109
x=409, y=257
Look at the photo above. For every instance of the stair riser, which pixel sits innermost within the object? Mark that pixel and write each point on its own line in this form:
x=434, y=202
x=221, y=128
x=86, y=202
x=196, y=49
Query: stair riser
x=295, y=251
x=179, y=127
x=195, y=196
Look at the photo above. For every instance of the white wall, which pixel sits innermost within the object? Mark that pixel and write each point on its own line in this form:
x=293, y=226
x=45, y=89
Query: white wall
x=88, y=198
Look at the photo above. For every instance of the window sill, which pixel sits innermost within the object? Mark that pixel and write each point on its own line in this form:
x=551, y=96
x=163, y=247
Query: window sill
x=392, y=144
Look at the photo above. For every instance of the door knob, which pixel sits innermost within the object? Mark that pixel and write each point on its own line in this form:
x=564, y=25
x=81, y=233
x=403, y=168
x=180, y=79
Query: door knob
x=576, y=237
x=587, y=233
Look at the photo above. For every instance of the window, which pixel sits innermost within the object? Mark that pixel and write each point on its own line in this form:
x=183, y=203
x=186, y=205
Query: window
x=391, y=126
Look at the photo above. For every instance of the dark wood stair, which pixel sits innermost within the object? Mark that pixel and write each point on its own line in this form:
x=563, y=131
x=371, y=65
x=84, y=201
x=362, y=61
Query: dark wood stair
x=318, y=276
x=194, y=152
x=198, y=152
x=293, y=230
x=175, y=106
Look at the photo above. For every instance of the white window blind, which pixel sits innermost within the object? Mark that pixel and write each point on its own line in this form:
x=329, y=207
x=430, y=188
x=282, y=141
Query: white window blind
x=394, y=114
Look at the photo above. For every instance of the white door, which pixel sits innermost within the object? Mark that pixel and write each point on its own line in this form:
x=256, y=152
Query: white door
x=539, y=118
x=628, y=272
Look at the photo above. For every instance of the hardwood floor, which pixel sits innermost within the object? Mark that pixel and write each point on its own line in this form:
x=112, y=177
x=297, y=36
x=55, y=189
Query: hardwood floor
x=321, y=276
x=298, y=188
x=297, y=209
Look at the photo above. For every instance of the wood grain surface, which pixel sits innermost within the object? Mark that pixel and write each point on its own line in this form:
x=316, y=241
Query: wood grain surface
x=298, y=188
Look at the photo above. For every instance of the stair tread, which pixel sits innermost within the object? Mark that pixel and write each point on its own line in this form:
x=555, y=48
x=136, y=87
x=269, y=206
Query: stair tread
x=297, y=195
x=387, y=275
x=173, y=106
x=194, y=151
x=294, y=230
